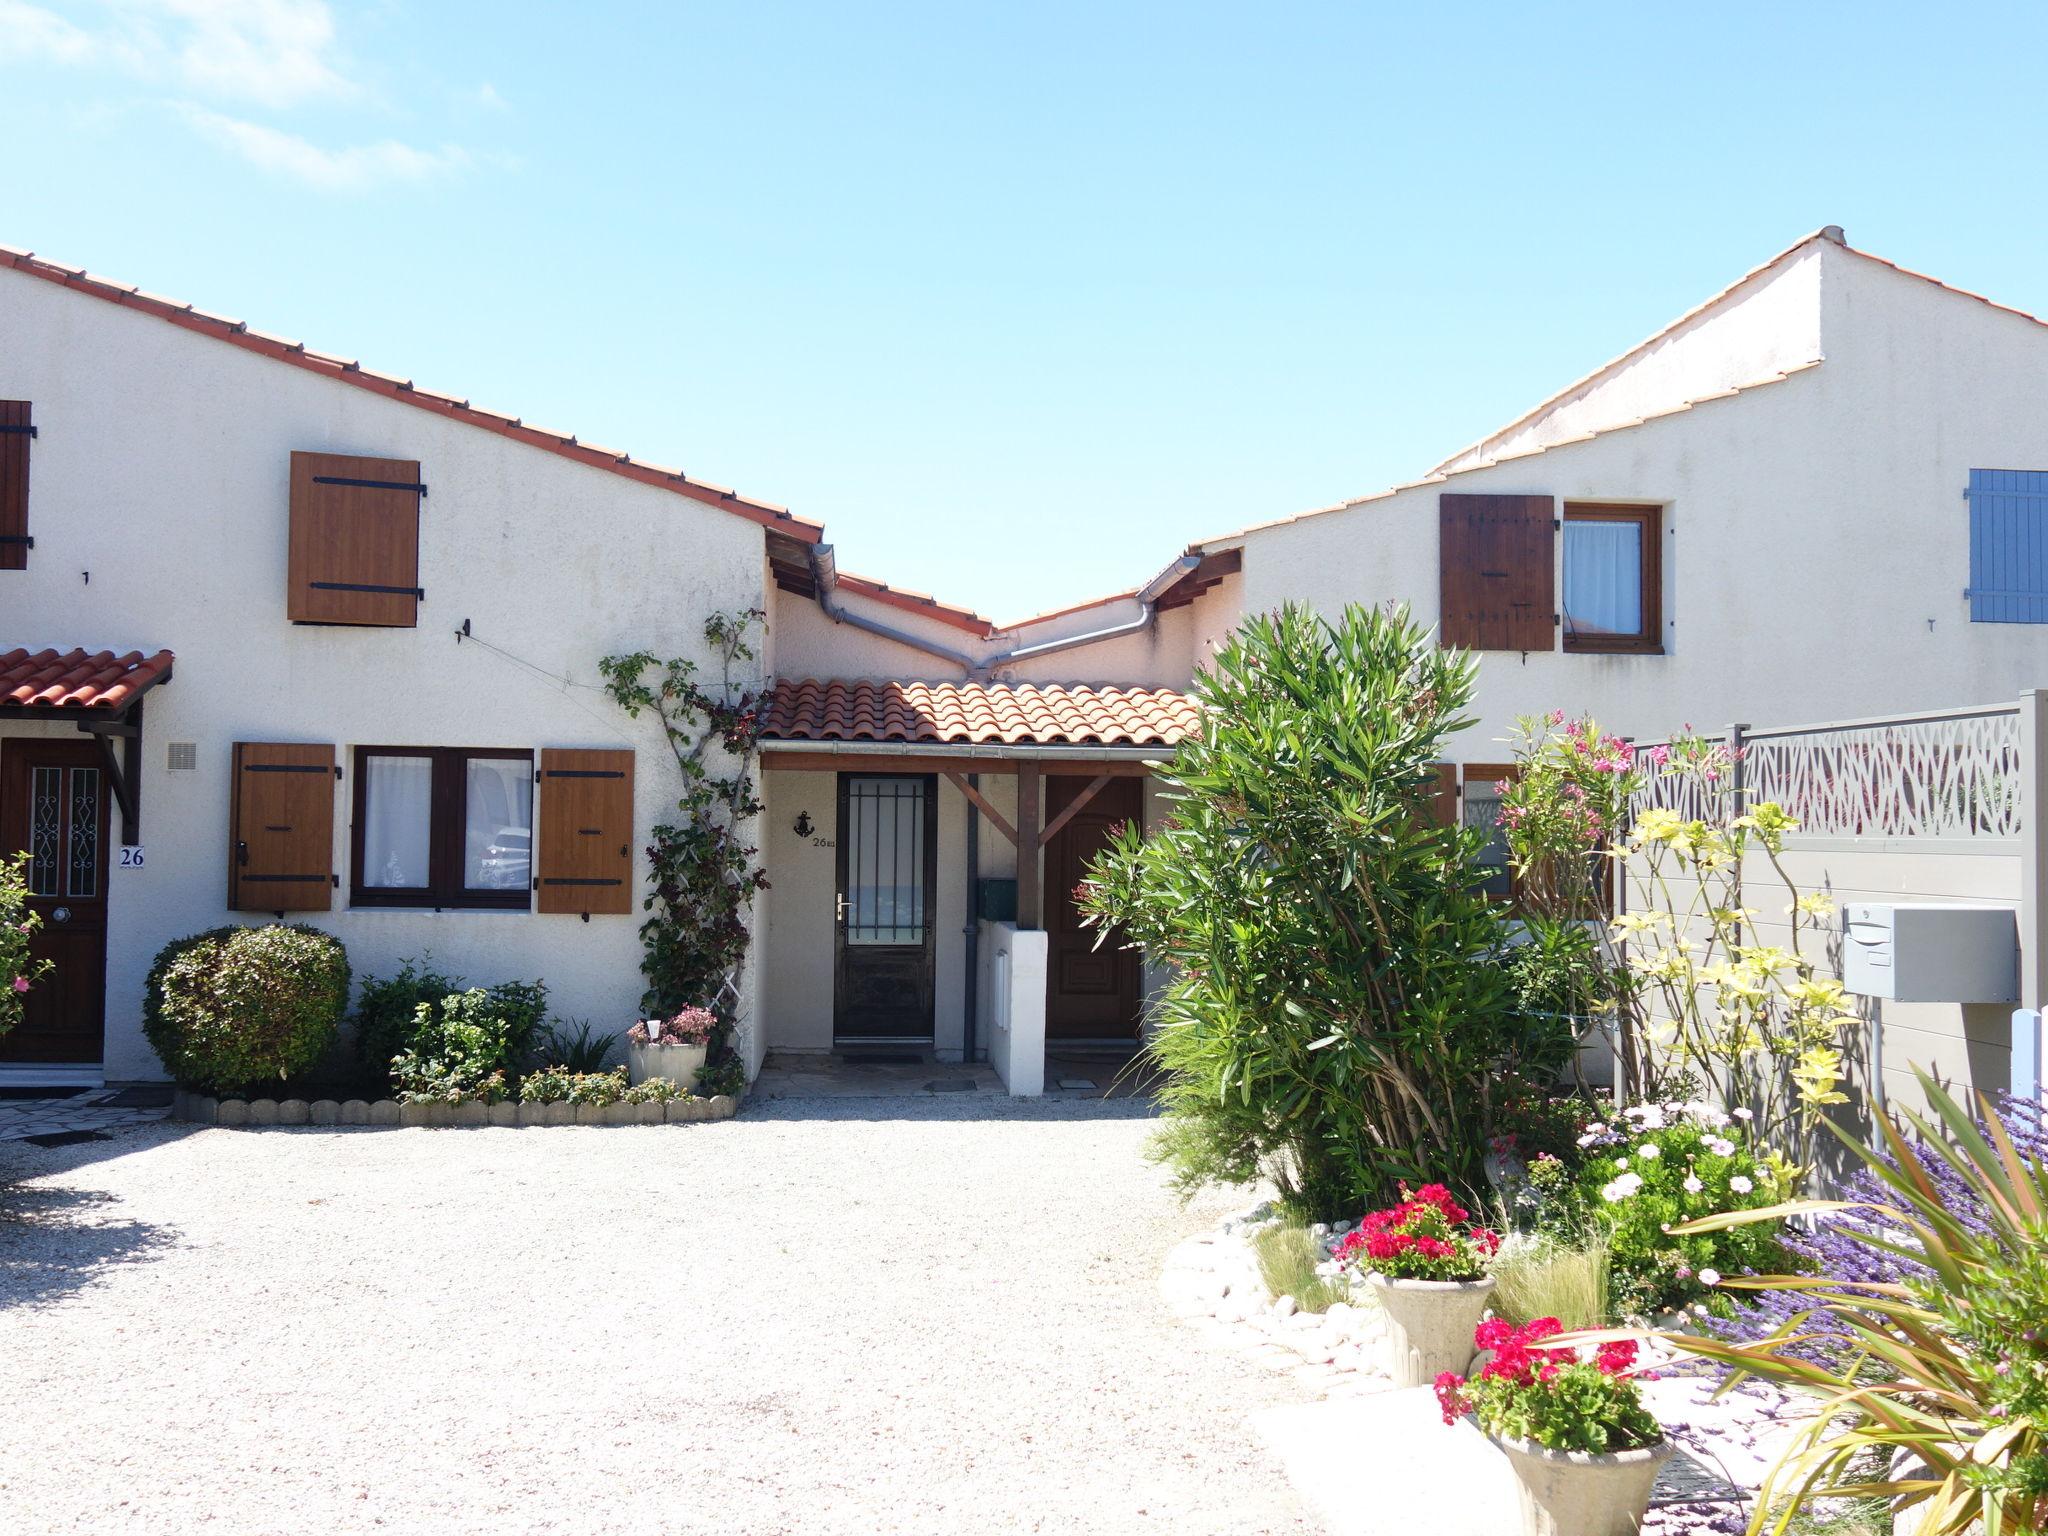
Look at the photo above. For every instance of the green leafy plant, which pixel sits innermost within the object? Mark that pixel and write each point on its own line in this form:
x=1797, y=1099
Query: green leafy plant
x=19, y=971
x=701, y=868
x=1655, y=1166
x=234, y=1007
x=552, y=1085
x=1288, y=1255
x=655, y=1090
x=386, y=1007
x=1334, y=1020
x=577, y=1050
x=1946, y=1382
x=727, y=1076
x=462, y=1047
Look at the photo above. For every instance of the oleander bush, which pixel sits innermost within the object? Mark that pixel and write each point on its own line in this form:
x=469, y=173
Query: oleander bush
x=1336, y=1018
x=18, y=972
x=236, y=1007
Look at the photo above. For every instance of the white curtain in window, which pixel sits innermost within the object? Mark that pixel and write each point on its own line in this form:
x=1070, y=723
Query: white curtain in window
x=1603, y=576
x=498, y=824
x=398, y=821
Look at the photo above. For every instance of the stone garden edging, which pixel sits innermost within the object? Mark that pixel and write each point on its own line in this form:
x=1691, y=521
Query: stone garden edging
x=201, y=1109
x=1212, y=1281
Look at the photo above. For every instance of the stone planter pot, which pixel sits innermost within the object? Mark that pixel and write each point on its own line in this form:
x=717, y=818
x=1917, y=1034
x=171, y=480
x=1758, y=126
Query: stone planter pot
x=1577, y=1493
x=1429, y=1325
x=677, y=1063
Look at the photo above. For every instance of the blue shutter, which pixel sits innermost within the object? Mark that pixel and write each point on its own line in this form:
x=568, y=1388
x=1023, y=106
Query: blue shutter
x=2008, y=546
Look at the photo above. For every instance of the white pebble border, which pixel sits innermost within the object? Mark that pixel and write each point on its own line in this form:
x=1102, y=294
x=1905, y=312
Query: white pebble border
x=1212, y=1281
x=200, y=1109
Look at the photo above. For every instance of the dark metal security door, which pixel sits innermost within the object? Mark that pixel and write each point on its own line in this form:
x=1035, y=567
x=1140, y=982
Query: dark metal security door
x=888, y=861
x=53, y=803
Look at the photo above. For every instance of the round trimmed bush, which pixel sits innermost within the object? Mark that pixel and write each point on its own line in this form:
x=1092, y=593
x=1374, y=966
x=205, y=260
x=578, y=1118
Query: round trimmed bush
x=233, y=1007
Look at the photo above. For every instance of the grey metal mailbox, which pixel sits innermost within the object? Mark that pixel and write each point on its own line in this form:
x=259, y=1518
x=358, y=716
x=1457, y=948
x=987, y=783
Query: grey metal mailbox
x=1924, y=952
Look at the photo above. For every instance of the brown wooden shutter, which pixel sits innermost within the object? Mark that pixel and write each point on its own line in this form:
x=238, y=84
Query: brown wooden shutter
x=281, y=843
x=355, y=541
x=15, y=433
x=585, y=859
x=1496, y=559
x=1443, y=802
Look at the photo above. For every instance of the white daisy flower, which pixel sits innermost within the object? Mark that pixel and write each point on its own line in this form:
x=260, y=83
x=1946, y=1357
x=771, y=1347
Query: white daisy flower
x=1743, y=1114
x=1710, y=1277
x=1692, y=1184
x=1740, y=1185
x=1649, y=1149
x=1720, y=1146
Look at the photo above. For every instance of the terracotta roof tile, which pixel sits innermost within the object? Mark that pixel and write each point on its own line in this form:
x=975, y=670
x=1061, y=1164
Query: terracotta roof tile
x=978, y=714
x=394, y=387
x=78, y=680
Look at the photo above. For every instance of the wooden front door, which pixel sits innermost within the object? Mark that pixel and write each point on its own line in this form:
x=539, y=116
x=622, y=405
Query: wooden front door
x=53, y=803
x=1090, y=993
x=885, y=910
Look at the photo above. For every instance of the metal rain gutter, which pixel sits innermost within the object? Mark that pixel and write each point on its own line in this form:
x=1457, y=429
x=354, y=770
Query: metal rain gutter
x=825, y=576
x=1147, y=596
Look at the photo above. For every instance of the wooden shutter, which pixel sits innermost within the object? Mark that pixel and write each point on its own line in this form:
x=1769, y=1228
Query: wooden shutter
x=15, y=433
x=281, y=848
x=1496, y=557
x=585, y=859
x=1443, y=800
x=355, y=541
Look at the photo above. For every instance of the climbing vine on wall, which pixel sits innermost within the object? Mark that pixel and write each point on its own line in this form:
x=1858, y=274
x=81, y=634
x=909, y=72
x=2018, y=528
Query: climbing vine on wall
x=701, y=868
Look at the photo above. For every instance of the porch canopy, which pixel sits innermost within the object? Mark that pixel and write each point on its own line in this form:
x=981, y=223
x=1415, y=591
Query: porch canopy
x=101, y=693
x=958, y=729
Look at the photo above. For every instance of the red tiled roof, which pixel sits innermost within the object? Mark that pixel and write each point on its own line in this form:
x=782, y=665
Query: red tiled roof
x=348, y=371
x=78, y=680
x=979, y=714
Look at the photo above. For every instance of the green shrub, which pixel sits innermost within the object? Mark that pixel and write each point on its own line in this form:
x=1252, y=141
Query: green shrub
x=1336, y=1016
x=655, y=1090
x=727, y=1075
x=1655, y=1166
x=235, y=1007
x=461, y=1043
x=18, y=973
x=553, y=1085
x=386, y=1007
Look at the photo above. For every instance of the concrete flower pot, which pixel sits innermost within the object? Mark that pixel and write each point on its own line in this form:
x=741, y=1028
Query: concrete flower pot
x=1429, y=1325
x=677, y=1063
x=1578, y=1493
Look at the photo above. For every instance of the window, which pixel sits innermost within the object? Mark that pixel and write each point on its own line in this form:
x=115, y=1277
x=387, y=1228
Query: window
x=1613, y=579
x=1483, y=785
x=2008, y=546
x=443, y=827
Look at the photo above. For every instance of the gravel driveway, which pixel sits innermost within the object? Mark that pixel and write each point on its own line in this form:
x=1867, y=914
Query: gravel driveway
x=827, y=1315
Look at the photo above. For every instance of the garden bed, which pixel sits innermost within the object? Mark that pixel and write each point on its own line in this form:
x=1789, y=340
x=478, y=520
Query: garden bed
x=201, y=1109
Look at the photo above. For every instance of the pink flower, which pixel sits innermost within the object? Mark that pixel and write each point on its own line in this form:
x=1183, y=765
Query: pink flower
x=21, y=983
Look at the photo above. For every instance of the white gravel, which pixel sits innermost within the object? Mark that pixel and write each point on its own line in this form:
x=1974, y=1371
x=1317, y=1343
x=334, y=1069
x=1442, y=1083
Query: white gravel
x=909, y=1315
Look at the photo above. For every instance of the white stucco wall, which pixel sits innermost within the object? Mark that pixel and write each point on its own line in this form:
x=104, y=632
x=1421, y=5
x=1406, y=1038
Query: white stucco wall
x=161, y=469
x=1164, y=655
x=1815, y=535
x=1768, y=323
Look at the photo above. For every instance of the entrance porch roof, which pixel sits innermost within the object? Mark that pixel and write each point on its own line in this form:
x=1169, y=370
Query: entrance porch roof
x=849, y=711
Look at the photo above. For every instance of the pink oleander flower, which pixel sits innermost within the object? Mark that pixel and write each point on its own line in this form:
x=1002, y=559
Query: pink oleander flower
x=21, y=983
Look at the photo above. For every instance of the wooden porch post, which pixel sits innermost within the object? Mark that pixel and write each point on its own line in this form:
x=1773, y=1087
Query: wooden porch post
x=1030, y=904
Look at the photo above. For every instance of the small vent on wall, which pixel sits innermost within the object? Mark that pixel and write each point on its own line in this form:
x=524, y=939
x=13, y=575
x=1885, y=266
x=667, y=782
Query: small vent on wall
x=184, y=756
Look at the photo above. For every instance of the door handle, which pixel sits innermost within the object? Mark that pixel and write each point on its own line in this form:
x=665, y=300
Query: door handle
x=839, y=910
x=60, y=915
x=242, y=854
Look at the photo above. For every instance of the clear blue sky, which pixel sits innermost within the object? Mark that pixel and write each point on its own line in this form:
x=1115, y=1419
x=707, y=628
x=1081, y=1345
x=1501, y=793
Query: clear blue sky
x=1016, y=299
